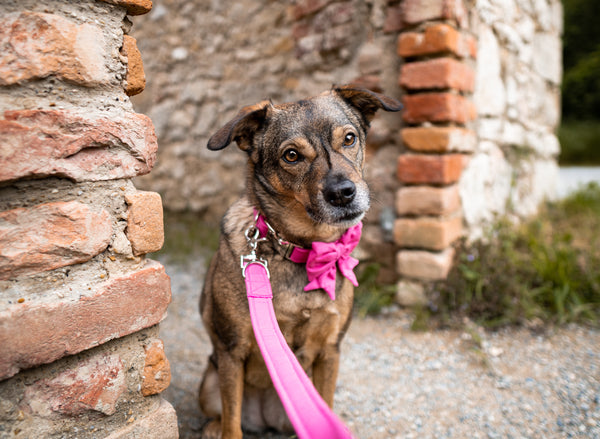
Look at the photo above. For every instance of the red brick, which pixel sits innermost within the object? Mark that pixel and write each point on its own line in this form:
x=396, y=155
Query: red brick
x=134, y=7
x=437, y=39
x=158, y=424
x=427, y=233
x=82, y=147
x=157, y=371
x=51, y=235
x=136, y=78
x=430, y=169
x=427, y=200
x=438, y=139
x=418, y=11
x=47, y=327
x=439, y=73
x=145, y=229
x=425, y=265
x=437, y=107
x=393, y=19
x=37, y=45
x=91, y=385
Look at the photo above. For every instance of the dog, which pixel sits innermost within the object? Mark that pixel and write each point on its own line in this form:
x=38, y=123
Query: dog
x=305, y=177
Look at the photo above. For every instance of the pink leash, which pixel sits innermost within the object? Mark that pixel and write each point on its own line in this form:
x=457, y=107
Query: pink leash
x=309, y=414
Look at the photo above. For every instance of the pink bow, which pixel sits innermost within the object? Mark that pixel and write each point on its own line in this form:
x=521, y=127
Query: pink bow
x=322, y=259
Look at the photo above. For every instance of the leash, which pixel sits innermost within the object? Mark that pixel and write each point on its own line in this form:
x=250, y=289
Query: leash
x=310, y=416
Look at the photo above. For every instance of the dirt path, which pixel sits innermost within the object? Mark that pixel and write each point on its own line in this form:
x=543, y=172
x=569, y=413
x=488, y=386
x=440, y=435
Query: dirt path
x=395, y=383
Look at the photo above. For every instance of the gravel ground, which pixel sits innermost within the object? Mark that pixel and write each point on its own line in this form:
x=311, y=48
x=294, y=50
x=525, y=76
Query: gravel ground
x=395, y=383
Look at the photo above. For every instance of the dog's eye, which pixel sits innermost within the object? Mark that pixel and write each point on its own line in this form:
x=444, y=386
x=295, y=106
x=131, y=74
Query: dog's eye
x=349, y=140
x=291, y=155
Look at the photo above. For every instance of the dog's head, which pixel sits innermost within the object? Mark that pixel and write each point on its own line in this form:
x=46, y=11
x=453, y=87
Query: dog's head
x=308, y=155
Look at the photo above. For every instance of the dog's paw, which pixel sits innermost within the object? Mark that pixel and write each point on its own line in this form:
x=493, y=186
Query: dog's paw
x=212, y=430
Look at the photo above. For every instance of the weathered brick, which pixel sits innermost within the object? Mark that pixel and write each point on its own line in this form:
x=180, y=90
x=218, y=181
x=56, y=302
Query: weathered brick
x=418, y=11
x=437, y=107
x=158, y=424
x=66, y=143
x=427, y=233
x=425, y=265
x=37, y=45
x=157, y=371
x=133, y=7
x=47, y=327
x=427, y=200
x=437, y=39
x=430, y=169
x=393, y=19
x=145, y=229
x=439, y=73
x=91, y=385
x=51, y=235
x=438, y=139
x=136, y=78
x=410, y=294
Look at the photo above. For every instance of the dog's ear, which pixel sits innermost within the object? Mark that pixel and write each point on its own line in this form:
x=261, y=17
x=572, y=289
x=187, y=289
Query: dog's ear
x=367, y=102
x=241, y=128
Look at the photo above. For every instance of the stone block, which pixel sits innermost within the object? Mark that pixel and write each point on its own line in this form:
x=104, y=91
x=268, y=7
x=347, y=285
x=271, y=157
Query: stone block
x=430, y=169
x=490, y=93
x=410, y=294
x=38, y=45
x=439, y=73
x=302, y=8
x=47, y=327
x=145, y=229
x=133, y=7
x=437, y=107
x=393, y=19
x=438, y=139
x=136, y=78
x=157, y=371
x=547, y=56
x=419, y=264
x=427, y=233
x=427, y=200
x=158, y=424
x=51, y=235
x=81, y=147
x=419, y=11
x=436, y=39
x=91, y=385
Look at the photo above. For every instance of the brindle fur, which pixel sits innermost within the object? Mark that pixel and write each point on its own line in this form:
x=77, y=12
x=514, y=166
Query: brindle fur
x=305, y=201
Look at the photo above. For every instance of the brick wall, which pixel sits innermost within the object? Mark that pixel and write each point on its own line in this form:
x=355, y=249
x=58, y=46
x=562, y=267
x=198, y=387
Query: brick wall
x=79, y=302
x=479, y=80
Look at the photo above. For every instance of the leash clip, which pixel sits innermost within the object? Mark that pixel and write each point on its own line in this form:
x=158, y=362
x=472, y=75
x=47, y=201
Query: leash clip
x=253, y=237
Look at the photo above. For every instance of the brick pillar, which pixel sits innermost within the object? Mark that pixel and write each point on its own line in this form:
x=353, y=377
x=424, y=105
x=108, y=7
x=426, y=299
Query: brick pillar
x=79, y=302
x=437, y=76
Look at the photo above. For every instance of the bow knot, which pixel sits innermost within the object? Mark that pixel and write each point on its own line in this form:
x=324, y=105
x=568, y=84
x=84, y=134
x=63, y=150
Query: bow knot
x=326, y=257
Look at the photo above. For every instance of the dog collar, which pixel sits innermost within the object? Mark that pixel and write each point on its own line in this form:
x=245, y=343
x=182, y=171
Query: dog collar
x=323, y=259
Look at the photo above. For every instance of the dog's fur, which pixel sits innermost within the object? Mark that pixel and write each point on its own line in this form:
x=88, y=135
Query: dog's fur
x=305, y=175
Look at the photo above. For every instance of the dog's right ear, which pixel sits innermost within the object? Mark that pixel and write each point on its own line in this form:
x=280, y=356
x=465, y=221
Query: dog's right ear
x=241, y=128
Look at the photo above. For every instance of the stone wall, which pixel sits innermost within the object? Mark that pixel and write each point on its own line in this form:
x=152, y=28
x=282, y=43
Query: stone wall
x=79, y=302
x=479, y=80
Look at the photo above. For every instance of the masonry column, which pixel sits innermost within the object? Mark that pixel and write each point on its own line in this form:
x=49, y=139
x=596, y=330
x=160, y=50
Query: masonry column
x=79, y=302
x=438, y=79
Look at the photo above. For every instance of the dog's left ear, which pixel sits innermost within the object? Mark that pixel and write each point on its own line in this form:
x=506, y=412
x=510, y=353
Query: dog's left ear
x=241, y=128
x=367, y=102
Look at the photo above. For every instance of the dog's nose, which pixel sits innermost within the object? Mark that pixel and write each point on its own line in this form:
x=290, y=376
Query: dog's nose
x=340, y=193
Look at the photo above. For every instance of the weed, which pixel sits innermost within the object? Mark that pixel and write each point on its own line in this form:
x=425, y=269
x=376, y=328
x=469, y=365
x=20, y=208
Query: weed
x=546, y=268
x=371, y=296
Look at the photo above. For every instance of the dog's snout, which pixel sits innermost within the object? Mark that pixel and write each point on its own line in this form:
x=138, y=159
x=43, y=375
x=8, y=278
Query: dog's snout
x=340, y=192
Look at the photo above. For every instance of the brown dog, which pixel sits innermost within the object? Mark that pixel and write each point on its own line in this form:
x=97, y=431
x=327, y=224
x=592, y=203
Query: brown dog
x=305, y=163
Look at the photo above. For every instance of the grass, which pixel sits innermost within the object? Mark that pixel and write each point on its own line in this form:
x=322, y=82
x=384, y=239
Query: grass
x=580, y=142
x=547, y=268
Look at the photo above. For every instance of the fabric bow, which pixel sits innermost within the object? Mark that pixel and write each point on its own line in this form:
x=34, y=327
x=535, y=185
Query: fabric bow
x=322, y=259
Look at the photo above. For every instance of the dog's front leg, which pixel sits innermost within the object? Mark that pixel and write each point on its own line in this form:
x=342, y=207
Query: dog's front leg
x=325, y=373
x=231, y=384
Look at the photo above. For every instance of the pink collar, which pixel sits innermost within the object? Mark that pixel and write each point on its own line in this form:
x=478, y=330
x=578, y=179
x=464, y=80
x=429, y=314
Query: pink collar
x=323, y=259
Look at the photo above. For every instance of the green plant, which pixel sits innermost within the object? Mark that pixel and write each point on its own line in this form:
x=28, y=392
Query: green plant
x=579, y=142
x=371, y=296
x=546, y=268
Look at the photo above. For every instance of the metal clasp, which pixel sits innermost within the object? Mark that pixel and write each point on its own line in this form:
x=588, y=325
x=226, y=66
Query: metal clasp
x=253, y=237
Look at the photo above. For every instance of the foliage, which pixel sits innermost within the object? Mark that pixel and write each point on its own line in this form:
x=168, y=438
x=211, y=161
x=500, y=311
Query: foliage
x=371, y=296
x=546, y=268
x=580, y=141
